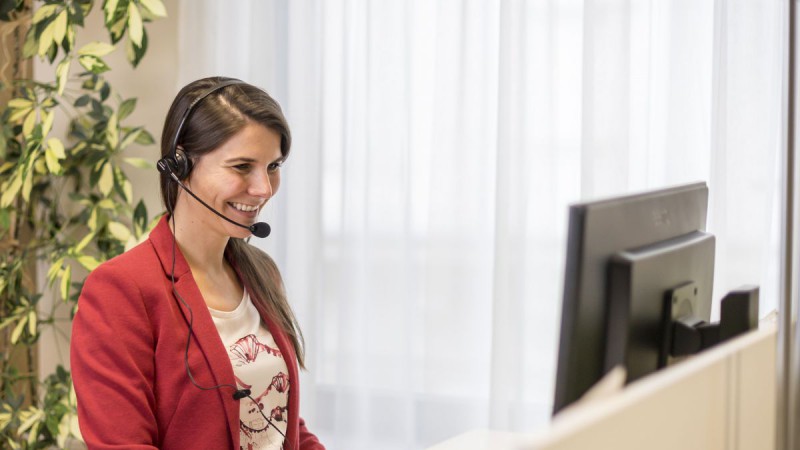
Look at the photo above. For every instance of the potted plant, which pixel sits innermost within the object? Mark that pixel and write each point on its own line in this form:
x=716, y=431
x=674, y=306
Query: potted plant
x=66, y=203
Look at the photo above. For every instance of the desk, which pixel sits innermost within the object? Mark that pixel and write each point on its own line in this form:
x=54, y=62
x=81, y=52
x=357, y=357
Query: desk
x=721, y=399
x=487, y=440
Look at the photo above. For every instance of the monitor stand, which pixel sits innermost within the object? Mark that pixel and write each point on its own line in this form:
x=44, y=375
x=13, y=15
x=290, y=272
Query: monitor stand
x=686, y=334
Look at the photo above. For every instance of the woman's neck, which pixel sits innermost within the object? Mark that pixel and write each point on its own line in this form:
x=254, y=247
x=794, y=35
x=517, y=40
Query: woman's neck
x=204, y=251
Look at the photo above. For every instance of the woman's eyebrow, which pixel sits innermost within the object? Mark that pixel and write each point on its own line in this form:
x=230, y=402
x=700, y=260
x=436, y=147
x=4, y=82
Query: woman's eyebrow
x=239, y=159
x=245, y=159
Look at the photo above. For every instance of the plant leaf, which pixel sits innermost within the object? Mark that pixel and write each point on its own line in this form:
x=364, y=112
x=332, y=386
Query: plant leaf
x=46, y=38
x=106, y=203
x=62, y=75
x=135, y=26
x=155, y=7
x=92, y=223
x=127, y=190
x=55, y=269
x=139, y=51
x=89, y=262
x=66, y=279
x=74, y=426
x=140, y=217
x=83, y=100
x=106, y=181
x=27, y=182
x=32, y=322
x=39, y=167
x=93, y=64
x=139, y=163
x=5, y=323
x=10, y=192
x=84, y=242
x=47, y=122
x=44, y=12
x=31, y=43
x=18, y=330
x=126, y=108
x=30, y=122
x=145, y=138
x=35, y=414
x=20, y=103
x=70, y=44
x=112, y=131
x=60, y=29
x=18, y=114
x=130, y=137
x=117, y=30
x=109, y=7
x=53, y=166
x=96, y=48
x=119, y=231
x=57, y=147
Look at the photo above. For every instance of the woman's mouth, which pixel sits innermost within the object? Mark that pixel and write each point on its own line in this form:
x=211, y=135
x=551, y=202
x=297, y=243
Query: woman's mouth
x=248, y=210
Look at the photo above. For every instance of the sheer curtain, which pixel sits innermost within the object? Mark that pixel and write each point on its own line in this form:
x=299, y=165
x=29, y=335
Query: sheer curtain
x=421, y=222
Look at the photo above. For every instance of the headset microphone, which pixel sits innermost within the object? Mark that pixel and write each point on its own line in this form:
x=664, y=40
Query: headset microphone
x=241, y=393
x=259, y=229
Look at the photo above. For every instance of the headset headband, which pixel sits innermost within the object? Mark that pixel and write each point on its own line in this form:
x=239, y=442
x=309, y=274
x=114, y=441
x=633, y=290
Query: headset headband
x=191, y=107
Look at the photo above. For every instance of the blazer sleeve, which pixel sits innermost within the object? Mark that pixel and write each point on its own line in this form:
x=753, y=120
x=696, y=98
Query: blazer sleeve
x=307, y=440
x=111, y=355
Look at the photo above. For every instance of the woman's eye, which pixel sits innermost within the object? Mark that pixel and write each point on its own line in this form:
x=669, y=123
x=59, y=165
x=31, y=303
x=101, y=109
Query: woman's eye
x=242, y=167
x=274, y=167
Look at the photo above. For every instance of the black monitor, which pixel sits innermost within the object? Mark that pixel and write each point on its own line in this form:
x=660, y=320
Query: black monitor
x=637, y=288
x=623, y=256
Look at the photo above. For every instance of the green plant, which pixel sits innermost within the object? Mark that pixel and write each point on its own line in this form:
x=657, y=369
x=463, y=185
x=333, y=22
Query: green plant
x=65, y=202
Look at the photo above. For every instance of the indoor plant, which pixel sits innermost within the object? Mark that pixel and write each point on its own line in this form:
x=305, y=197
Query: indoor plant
x=65, y=202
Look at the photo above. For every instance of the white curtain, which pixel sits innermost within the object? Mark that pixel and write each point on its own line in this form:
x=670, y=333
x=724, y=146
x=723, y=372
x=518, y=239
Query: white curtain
x=421, y=222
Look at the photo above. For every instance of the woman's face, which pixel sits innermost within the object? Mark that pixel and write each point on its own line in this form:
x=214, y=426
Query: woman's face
x=236, y=179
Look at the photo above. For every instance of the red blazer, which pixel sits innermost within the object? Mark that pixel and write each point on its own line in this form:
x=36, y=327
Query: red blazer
x=127, y=358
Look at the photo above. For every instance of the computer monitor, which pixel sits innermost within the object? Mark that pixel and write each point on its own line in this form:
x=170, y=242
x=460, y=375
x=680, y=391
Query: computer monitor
x=625, y=256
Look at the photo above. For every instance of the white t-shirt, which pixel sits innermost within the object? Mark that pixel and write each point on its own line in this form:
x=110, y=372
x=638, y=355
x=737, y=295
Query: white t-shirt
x=259, y=366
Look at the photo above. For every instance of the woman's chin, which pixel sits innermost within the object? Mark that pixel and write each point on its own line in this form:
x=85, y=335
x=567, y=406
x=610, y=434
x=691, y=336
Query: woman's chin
x=236, y=231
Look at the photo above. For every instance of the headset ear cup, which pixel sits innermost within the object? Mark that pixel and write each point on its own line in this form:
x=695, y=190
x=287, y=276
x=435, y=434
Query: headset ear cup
x=166, y=165
x=183, y=165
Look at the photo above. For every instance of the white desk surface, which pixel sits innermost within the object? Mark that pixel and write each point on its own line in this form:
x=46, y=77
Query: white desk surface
x=486, y=440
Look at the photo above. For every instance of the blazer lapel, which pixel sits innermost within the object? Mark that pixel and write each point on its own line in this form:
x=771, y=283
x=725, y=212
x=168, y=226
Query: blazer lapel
x=205, y=337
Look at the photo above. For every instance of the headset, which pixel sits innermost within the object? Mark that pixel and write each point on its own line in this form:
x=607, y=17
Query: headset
x=177, y=166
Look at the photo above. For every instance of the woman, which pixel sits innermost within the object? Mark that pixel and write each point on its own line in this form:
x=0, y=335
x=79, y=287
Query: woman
x=187, y=340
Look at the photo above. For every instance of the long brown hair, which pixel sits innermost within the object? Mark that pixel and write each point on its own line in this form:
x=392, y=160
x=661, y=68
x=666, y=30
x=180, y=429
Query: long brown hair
x=212, y=122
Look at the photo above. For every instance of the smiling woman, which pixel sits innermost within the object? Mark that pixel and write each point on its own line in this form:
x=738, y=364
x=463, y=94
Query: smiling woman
x=237, y=385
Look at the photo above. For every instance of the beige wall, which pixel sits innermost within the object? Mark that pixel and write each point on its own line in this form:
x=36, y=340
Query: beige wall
x=154, y=84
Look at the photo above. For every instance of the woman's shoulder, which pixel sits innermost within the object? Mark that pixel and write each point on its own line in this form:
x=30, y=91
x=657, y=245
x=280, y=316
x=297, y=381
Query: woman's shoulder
x=139, y=263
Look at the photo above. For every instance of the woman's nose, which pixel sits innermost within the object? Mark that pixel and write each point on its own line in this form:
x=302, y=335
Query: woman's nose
x=260, y=185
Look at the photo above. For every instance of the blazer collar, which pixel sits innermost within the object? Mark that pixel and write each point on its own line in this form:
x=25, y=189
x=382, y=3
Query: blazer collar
x=162, y=240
